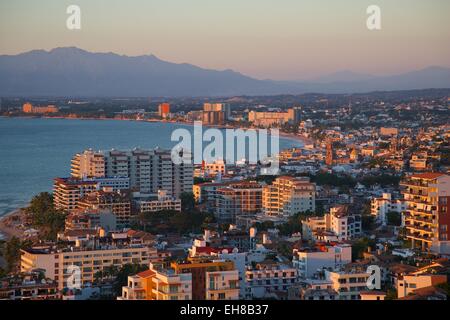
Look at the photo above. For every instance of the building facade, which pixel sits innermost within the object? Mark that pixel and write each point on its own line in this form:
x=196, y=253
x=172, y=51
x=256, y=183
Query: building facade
x=288, y=196
x=427, y=219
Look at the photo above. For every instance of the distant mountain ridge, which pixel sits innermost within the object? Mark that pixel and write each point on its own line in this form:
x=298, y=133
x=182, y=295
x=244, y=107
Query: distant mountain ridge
x=72, y=71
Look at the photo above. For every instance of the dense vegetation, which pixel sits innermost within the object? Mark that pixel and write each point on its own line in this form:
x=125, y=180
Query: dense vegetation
x=44, y=217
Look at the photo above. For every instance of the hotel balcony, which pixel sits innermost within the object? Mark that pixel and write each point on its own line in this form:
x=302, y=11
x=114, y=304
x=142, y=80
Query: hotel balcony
x=419, y=237
x=414, y=183
x=414, y=218
x=425, y=229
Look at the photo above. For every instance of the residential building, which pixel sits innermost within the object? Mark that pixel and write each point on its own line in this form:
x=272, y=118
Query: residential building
x=68, y=191
x=29, y=108
x=287, y=196
x=117, y=202
x=348, y=284
x=379, y=207
x=337, y=225
x=28, y=286
x=158, y=284
x=407, y=284
x=331, y=256
x=147, y=170
x=216, y=113
x=164, y=110
x=88, y=164
x=345, y=225
x=59, y=264
x=160, y=203
x=427, y=217
x=313, y=289
x=268, y=277
x=267, y=119
x=238, y=199
x=211, y=279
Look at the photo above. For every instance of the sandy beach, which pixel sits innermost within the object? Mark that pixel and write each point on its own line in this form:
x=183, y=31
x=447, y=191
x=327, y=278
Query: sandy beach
x=7, y=226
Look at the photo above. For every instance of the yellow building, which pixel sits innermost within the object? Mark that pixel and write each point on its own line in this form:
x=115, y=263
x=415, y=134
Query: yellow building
x=288, y=196
x=199, y=280
x=59, y=265
x=211, y=279
x=407, y=284
x=88, y=164
x=158, y=284
x=29, y=108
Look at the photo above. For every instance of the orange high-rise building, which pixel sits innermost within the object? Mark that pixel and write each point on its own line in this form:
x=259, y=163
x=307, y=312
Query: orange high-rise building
x=164, y=110
x=29, y=108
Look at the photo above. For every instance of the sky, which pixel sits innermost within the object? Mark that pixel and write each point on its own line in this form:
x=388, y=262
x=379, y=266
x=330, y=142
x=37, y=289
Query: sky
x=265, y=39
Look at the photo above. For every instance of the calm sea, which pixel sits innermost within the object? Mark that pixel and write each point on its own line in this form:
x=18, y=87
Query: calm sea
x=33, y=151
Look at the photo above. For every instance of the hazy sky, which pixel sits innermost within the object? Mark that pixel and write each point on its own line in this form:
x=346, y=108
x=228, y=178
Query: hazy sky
x=278, y=39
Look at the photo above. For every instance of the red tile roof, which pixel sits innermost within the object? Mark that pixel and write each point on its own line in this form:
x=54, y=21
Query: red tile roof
x=427, y=175
x=146, y=274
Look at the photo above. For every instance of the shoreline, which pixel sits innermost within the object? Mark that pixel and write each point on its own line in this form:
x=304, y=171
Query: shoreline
x=287, y=135
x=6, y=230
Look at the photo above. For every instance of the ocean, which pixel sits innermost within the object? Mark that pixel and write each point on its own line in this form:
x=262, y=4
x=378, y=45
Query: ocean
x=33, y=151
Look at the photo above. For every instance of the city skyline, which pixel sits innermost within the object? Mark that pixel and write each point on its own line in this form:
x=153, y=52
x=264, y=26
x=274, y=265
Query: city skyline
x=287, y=41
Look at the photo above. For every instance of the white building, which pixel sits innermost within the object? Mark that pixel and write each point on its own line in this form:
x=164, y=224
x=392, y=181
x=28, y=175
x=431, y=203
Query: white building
x=310, y=261
x=287, y=196
x=148, y=170
x=338, y=225
x=267, y=278
x=163, y=202
x=381, y=206
x=348, y=284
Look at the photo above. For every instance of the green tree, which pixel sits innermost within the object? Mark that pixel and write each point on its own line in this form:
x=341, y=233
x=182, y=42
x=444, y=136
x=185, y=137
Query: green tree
x=294, y=223
x=360, y=246
x=45, y=217
x=11, y=252
x=122, y=275
x=368, y=222
x=187, y=201
x=391, y=294
x=394, y=218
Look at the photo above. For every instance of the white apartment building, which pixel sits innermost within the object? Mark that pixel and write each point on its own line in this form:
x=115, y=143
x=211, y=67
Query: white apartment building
x=338, y=225
x=158, y=284
x=288, y=196
x=381, y=206
x=88, y=164
x=310, y=261
x=407, y=284
x=348, y=284
x=266, y=278
x=222, y=285
x=427, y=218
x=148, y=170
x=59, y=265
x=343, y=224
x=163, y=202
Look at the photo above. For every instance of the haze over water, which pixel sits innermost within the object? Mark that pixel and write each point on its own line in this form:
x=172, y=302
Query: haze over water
x=34, y=151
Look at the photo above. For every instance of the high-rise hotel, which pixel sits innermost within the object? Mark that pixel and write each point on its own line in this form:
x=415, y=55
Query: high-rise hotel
x=145, y=171
x=148, y=170
x=288, y=196
x=427, y=220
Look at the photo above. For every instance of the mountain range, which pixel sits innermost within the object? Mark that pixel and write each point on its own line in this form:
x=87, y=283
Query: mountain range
x=74, y=72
